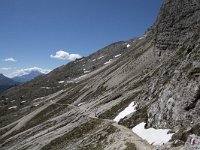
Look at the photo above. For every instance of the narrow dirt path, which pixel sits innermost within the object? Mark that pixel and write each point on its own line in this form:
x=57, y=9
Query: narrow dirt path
x=139, y=142
x=128, y=134
x=134, y=138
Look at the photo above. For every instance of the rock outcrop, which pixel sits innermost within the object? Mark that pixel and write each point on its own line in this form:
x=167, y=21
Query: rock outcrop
x=177, y=22
x=73, y=106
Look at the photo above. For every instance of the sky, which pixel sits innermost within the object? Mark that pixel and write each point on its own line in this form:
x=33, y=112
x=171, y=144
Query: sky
x=45, y=34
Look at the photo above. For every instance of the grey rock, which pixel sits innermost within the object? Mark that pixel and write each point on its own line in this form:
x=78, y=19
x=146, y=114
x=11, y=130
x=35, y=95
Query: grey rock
x=159, y=71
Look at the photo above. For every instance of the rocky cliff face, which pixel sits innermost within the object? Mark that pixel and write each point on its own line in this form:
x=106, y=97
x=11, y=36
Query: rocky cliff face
x=73, y=106
x=176, y=33
x=177, y=22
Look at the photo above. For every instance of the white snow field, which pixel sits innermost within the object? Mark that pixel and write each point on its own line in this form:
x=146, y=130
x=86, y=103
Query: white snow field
x=128, y=45
x=128, y=110
x=151, y=135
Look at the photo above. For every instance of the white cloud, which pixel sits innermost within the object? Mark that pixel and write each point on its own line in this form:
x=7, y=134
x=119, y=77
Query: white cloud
x=65, y=55
x=10, y=59
x=22, y=72
x=4, y=68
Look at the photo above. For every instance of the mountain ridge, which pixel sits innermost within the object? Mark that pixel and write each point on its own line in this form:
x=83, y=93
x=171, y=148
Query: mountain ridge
x=73, y=106
x=27, y=77
x=6, y=83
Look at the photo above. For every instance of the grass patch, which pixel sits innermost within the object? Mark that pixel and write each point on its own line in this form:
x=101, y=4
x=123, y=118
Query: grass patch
x=139, y=116
x=180, y=52
x=111, y=113
x=139, y=54
x=53, y=110
x=45, y=115
x=100, y=91
x=183, y=134
x=193, y=103
x=102, y=139
x=193, y=72
x=130, y=146
x=92, y=140
x=197, y=95
x=50, y=112
x=114, y=97
x=187, y=67
x=72, y=135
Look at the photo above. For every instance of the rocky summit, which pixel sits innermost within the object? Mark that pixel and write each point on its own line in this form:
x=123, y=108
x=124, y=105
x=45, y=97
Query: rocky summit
x=74, y=106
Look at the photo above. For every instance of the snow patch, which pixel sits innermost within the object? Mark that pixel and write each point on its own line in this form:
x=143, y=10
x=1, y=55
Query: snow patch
x=79, y=60
x=80, y=77
x=100, y=57
x=39, y=98
x=61, y=82
x=76, y=80
x=94, y=60
x=70, y=81
x=13, y=107
x=142, y=37
x=35, y=105
x=151, y=135
x=128, y=45
x=86, y=71
x=128, y=110
x=108, y=62
x=117, y=55
x=23, y=102
x=45, y=88
x=80, y=104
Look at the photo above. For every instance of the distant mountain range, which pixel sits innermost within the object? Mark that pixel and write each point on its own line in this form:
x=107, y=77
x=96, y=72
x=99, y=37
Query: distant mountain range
x=27, y=77
x=148, y=83
x=6, y=83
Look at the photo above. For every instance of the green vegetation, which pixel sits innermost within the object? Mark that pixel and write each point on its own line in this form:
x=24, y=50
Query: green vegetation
x=111, y=70
x=183, y=133
x=193, y=103
x=111, y=113
x=50, y=112
x=138, y=117
x=180, y=52
x=195, y=129
x=72, y=135
x=196, y=54
x=187, y=67
x=130, y=146
x=139, y=53
x=98, y=140
x=193, y=72
x=102, y=139
x=45, y=115
x=100, y=90
x=155, y=72
x=142, y=50
x=54, y=109
x=197, y=95
x=112, y=98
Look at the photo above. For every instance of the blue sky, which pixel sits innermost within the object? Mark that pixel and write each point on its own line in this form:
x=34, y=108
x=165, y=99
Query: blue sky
x=33, y=30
